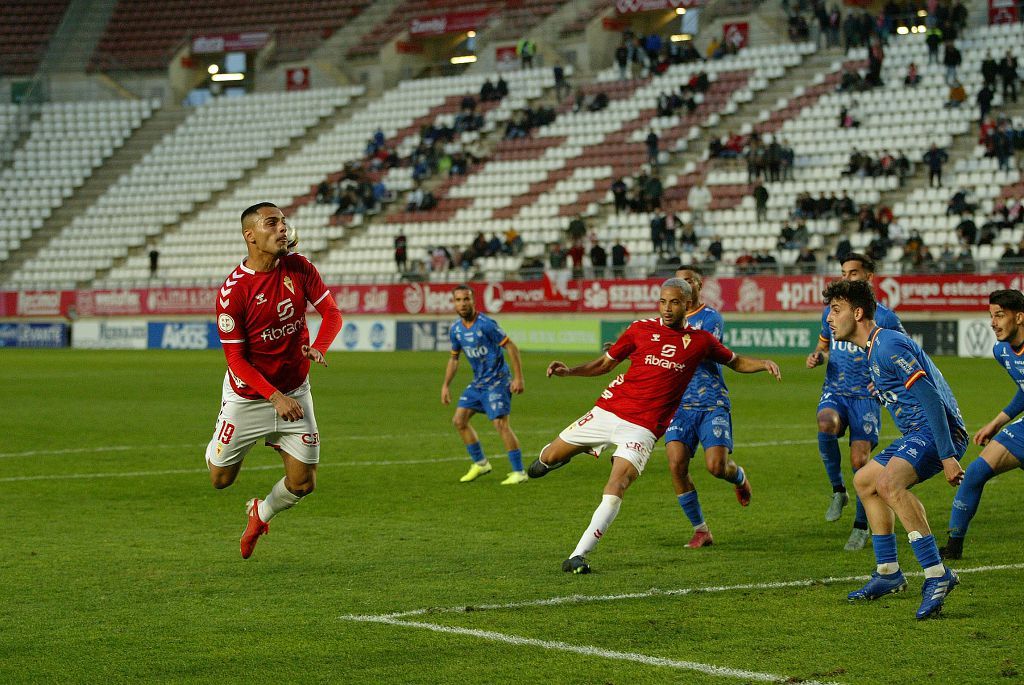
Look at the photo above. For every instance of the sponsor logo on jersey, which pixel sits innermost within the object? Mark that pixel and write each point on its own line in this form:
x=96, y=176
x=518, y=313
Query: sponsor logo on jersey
x=285, y=310
x=261, y=298
x=908, y=365
x=656, y=337
x=281, y=331
x=311, y=439
x=475, y=352
x=652, y=360
x=226, y=323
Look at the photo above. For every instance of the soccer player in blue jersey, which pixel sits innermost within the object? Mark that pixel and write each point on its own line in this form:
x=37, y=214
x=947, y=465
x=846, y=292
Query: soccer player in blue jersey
x=1004, y=444
x=492, y=387
x=846, y=403
x=933, y=439
x=703, y=417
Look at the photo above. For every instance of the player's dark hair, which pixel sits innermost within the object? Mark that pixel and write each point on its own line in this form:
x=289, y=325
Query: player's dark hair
x=255, y=208
x=857, y=293
x=867, y=262
x=1008, y=299
x=461, y=286
x=694, y=269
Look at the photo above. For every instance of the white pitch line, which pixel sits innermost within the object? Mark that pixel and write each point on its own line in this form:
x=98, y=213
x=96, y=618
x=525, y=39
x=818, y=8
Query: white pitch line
x=585, y=650
x=656, y=592
x=172, y=472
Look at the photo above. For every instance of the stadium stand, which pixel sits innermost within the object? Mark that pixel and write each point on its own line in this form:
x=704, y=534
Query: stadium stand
x=214, y=147
x=25, y=30
x=65, y=143
x=143, y=35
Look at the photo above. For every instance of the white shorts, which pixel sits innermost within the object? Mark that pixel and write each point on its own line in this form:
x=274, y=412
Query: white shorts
x=242, y=422
x=599, y=428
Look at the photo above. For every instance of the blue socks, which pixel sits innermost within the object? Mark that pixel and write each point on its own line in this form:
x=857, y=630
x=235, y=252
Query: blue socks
x=515, y=457
x=738, y=480
x=691, y=506
x=968, y=497
x=926, y=551
x=828, y=447
x=885, y=548
x=476, y=453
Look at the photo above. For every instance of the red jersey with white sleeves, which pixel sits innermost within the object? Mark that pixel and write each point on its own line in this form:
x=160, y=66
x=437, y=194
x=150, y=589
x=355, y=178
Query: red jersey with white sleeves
x=662, y=362
x=265, y=314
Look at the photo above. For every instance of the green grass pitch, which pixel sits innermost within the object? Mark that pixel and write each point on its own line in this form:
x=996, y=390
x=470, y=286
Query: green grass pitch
x=119, y=562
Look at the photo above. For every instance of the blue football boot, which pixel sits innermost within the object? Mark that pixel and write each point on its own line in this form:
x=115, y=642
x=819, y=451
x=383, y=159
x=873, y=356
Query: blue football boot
x=879, y=586
x=934, y=592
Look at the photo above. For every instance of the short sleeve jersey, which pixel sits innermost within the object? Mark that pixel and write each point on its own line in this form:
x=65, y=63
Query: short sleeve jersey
x=662, y=360
x=265, y=312
x=847, y=370
x=482, y=343
x=707, y=388
x=1013, y=361
x=896, y=363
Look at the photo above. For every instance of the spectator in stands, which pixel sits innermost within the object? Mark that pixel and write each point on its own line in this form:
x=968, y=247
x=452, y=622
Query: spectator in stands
x=947, y=259
x=657, y=225
x=562, y=87
x=843, y=248
x=1011, y=260
x=785, y=241
x=599, y=102
x=651, y=142
x=984, y=100
x=698, y=200
x=1002, y=145
x=851, y=32
x=575, y=254
x=958, y=204
x=786, y=160
x=154, y=262
x=847, y=118
x=501, y=87
x=531, y=268
x=556, y=256
x=513, y=242
x=951, y=59
x=957, y=95
x=760, y=194
x=688, y=239
x=619, y=193
x=715, y=249
x=989, y=70
x=488, y=92
x=414, y=199
x=401, y=253
x=622, y=60
x=323, y=193
x=620, y=258
x=745, y=264
x=526, y=49
x=757, y=160
x=933, y=39
x=577, y=229
x=967, y=230
x=965, y=260
x=912, y=78
x=935, y=158
x=598, y=259
x=1008, y=72
x=806, y=262
x=440, y=259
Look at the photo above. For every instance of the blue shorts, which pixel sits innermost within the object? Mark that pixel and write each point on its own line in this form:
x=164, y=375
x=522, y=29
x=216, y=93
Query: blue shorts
x=918, y=449
x=709, y=427
x=864, y=417
x=1012, y=438
x=495, y=401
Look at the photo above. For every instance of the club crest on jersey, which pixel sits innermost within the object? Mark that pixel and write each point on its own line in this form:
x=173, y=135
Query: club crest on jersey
x=686, y=341
x=288, y=284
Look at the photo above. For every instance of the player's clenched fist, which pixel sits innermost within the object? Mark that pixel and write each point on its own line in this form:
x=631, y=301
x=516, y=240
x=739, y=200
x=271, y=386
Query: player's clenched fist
x=557, y=369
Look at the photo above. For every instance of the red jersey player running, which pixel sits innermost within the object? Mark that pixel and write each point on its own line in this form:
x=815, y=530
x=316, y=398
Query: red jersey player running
x=637, y=407
x=261, y=316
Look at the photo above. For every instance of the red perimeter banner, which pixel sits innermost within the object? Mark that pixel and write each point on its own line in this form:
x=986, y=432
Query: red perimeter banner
x=453, y=22
x=736, y=34
x=744, y=295
x=1002, y=12
x=631, y=6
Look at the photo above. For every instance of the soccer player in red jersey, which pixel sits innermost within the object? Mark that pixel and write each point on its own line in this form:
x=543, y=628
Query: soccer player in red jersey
x=261, y=316
x=637, y=407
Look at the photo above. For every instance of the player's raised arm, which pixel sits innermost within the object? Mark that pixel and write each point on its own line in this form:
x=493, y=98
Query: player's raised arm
x=743, y=364
x=595, y=367
x=517, y=386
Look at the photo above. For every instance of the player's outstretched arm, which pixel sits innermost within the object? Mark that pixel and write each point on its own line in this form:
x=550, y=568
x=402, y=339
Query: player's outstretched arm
x=518, y=385
x=449, y=374
x=595, y=367
x=743, y=364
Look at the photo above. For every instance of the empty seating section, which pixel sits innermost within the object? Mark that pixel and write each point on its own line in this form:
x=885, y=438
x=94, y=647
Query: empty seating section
x=215, y=145
x=25, y=30
x=66, y=142
x=144, y=35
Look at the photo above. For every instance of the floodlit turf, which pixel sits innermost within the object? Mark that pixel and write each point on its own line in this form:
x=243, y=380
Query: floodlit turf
x=119, y=562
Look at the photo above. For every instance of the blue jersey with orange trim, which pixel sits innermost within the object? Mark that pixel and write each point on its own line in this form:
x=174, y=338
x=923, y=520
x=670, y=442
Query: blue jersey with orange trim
x=1013, y=361
x=707, y=387
x=482, y=342
x=847, y=370
x=897, y=363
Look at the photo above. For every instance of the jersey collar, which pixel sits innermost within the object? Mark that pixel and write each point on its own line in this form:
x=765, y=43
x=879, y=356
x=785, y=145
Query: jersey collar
x=871, y=339
x=697, y=310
